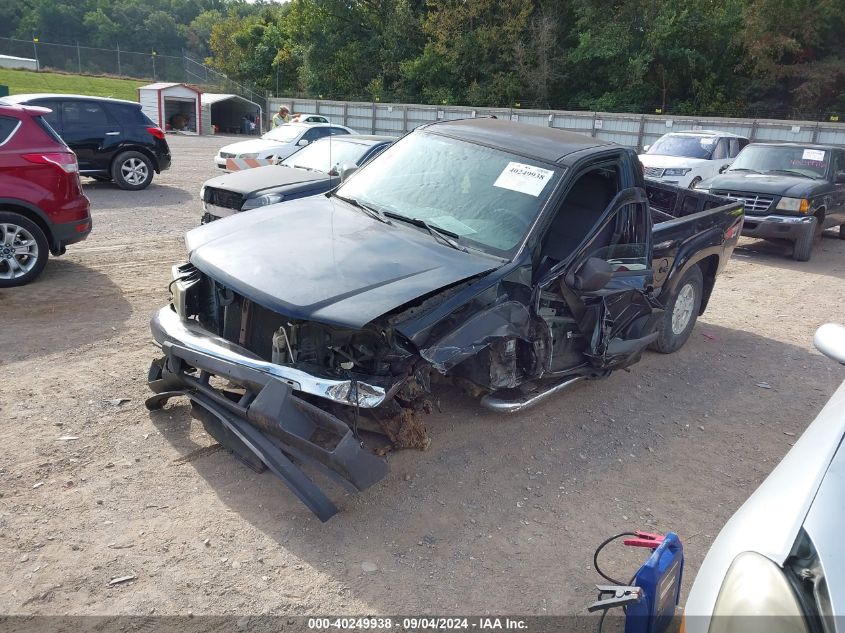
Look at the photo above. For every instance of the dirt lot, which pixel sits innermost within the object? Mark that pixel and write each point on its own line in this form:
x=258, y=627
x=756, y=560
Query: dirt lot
x=500, y=515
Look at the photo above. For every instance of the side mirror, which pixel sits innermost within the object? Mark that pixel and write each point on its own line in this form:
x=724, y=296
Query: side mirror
x=346, y=171
x=840, y=178
x=302, y=142
x=646, y=148
x=593, y=275
x=830, y=341
x=724, y=168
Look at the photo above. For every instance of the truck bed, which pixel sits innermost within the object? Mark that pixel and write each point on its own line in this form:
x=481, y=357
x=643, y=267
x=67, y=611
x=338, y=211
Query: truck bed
x=669, y=202
x=689, y=225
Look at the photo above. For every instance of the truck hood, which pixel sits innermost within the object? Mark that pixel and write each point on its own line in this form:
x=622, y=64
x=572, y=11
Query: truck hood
x=775, y=184
x=250, y=181
x=666, y=162
x=257, y=145
x=320, y=259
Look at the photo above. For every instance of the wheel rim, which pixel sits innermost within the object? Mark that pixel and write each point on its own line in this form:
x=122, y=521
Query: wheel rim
x=134, y=171
x=18, y=251
x=682, y=312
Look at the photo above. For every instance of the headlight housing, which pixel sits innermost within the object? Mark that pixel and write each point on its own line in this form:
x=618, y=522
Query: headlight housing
x=677, y=171
x=755, y=586
x=262, y=201
x=802, y=205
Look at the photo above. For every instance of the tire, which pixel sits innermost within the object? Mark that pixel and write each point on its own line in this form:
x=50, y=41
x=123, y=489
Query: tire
x=132, y=171
x=681, y=313
x=23, y=250
x=694, y=182
x=803, y=247
x=842, y=231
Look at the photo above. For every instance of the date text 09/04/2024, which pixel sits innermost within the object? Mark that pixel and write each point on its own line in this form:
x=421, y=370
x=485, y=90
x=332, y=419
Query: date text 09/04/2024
x=418, y=623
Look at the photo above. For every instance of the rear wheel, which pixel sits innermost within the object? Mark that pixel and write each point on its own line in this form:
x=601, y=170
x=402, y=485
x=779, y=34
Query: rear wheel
x=681, y=313
x=132, y=171
x=23, y=250
x=842, y=231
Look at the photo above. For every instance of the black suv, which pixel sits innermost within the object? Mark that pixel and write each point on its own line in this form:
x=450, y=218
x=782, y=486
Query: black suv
x=112, y=138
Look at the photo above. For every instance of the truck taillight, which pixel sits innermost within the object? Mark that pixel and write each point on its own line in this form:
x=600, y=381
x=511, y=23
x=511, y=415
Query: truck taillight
x=66, y=161
x=155, y=131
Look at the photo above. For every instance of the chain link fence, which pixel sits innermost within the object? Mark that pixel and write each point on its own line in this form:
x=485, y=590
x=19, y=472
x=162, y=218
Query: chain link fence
x=89, y=60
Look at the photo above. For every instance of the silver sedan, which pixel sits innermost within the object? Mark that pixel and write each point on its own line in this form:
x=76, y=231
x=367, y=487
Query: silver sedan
x=781, y=557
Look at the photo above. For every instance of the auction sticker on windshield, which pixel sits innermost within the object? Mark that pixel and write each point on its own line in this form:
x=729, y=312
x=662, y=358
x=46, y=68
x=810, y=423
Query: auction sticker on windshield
x=524, y=178
x=813, y=154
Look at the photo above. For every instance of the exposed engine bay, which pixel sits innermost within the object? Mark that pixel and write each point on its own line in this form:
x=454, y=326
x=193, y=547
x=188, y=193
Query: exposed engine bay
x=379, y=354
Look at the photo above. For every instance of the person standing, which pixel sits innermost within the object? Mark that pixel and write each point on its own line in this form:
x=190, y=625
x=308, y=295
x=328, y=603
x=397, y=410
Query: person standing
x=281, y=117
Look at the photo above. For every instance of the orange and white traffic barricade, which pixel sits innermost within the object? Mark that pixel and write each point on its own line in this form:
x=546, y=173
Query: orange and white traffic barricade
x=238, y=164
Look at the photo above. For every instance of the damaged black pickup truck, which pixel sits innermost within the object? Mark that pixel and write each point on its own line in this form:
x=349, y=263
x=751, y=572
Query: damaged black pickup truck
x=507, y=259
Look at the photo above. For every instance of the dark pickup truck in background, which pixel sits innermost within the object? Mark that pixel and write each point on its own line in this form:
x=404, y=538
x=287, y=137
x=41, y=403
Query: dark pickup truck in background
x=509, y=259
x=791, y=191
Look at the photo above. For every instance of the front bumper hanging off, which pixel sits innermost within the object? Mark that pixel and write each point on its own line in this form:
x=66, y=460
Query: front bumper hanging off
x=263, y=422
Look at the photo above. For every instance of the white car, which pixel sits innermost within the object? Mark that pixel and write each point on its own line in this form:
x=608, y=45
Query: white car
x=304, y=117
x=778, y=565
x=280, y=142
x=686, y=158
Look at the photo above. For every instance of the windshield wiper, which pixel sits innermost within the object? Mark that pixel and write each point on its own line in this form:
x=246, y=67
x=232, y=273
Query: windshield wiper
x=444, y=235
x=753, y=171
x=789, y=171
x=372, y=212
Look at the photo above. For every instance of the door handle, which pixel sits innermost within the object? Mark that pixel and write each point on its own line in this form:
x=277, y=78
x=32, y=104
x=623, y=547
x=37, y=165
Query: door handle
x=112, y=133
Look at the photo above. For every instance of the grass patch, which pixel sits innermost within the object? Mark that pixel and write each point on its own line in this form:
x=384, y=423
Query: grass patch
x=26, y=81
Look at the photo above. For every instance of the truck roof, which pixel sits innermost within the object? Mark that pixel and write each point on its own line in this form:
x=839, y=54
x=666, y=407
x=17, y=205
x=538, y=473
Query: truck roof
x=543, y=143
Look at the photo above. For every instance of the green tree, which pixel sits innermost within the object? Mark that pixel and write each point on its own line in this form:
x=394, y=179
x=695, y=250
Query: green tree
x=469, y=55
x=795, y=51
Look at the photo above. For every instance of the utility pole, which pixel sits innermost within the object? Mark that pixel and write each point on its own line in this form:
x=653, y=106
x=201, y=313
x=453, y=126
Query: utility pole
x=78, y=58
x=154, y=66
x=35, y=51
x=119, y=72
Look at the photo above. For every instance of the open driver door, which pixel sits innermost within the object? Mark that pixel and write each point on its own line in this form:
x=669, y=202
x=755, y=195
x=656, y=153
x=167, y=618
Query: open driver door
x=607, y=283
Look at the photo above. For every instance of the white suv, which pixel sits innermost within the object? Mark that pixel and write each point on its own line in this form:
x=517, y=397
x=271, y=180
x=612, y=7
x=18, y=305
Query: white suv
x=686, y=158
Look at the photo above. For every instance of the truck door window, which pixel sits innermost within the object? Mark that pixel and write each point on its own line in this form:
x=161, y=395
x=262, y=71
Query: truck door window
x=582, y=207
x=627, y=249
x=837, y=163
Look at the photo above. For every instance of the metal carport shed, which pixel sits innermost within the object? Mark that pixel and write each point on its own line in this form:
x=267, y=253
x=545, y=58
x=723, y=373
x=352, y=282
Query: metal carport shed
x=225, y=113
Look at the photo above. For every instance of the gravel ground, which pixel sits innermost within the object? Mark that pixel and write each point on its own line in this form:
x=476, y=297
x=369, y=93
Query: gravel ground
x=500, y=515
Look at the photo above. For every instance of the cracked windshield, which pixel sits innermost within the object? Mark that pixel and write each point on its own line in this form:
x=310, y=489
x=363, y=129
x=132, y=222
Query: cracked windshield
x=484, y=198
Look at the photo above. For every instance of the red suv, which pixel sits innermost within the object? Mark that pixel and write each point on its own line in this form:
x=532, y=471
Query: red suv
x=42, y=207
